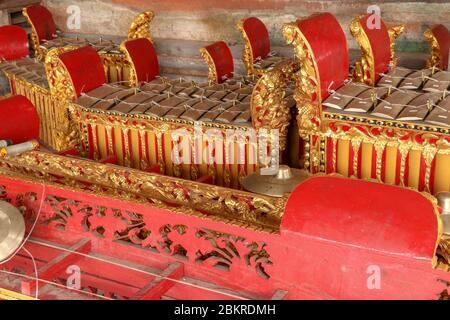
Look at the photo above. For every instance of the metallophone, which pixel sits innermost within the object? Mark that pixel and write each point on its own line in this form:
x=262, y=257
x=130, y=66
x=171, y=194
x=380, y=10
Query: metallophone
x=137, y=124
x=395, y=132
x=219, y=233
x=27, y=76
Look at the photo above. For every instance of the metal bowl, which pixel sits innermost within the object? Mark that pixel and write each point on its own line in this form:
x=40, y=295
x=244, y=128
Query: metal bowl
x=12, y=229
x=276, y=185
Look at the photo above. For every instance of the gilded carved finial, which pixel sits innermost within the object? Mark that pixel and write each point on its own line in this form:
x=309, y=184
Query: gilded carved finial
x=435, y=58
x=140, y=27
x=394, y=33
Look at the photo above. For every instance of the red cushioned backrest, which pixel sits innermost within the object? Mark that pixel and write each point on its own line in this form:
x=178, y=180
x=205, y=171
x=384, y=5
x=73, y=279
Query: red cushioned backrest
x=43, y=22
x=329, y=46
x=144, y=58
x=85, y=69
x=223, y=60
x=442, y=35
x=259, y=37
x=13, y=43
x=20, y=121
x=380, y=44
x=364, y=215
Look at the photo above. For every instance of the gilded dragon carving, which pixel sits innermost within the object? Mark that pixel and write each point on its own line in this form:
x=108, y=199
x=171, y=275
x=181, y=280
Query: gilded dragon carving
x=269, y=107
x=307, y=95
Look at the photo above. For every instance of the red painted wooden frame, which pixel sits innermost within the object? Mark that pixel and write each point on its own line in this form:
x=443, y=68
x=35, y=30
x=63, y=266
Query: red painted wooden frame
x=334, y=231
x=43, y=22
x=258, y=36
x=85, y=69
x=13, y=43
x=19, y=119
x=442, y=35
x=329, y=46
x=380, y=44
x=144, y=58
x=221, y=55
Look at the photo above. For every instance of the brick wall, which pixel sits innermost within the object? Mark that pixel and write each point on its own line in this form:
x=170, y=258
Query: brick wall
x=210, y=20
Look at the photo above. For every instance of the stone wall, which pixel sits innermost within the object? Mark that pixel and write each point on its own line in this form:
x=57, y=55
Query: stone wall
x=210, y=20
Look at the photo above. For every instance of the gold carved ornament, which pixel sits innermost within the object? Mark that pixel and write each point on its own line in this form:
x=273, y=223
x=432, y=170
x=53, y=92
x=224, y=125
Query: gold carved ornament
x=394, y=33
x=247, y=209
x=435, y=58
x=34, y=37
x=382, y=136
x=268, y=107
x=62, y=91
x=140, y=27
x=365, y=68
x=248, y=51
x=212, y=71
x=307, y=94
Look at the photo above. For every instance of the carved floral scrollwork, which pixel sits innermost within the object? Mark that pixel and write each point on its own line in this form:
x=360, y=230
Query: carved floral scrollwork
x=203, y=246
x=34, y=36
x=62, y=91
x=227, y=251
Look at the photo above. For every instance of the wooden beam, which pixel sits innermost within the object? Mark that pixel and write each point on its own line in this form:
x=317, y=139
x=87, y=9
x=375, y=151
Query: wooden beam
x=54, y=267
x=13, y=4
x=158, y=286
